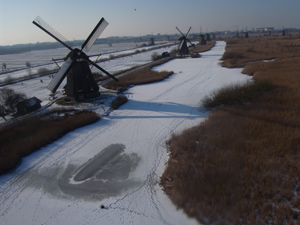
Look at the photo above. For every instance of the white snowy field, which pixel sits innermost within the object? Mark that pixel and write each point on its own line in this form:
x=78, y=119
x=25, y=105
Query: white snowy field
x=116, y=162
x=38, y=57
x=38, y=86
x=42, y=57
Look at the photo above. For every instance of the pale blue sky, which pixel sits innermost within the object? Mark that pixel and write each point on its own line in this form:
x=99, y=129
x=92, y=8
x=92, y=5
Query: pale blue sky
x=75, y=19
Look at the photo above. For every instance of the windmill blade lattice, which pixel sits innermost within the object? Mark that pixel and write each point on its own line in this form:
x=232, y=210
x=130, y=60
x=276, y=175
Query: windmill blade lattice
x=39, y=22
x=59, y=77
x=102, y=24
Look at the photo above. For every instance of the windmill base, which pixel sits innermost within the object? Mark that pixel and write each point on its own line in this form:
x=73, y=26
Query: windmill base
x=80, y=82
x=90, y=95
x=80, y=96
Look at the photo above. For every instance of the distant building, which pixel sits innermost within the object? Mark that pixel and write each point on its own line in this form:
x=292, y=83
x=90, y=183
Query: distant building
x=165, y=54
x=202, y=40
x=28, y=105
x=264, y=29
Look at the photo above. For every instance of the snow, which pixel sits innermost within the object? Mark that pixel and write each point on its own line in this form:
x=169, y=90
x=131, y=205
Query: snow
x=38, y=86
x=44, y=58
x=43, y=190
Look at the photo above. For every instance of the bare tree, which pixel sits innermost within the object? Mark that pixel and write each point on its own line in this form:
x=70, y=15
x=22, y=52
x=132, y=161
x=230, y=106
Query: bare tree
x=28, y=64
x=3, y=112
x=9, y=99
x=155, y=56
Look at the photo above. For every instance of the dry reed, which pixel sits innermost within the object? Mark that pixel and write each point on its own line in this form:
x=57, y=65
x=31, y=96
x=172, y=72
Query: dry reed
x=142, y=76
x=242, y=165
x=21, y=138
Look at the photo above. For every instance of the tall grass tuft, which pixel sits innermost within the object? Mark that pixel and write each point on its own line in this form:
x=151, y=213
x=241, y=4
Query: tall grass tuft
x=236, y=94
x=120, y=100
x=142, y=76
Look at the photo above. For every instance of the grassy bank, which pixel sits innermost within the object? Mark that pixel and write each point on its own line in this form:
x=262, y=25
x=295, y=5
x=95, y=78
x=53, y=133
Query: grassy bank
x=21, y=138
x=142, y=76
x=203, y=48
x=239, y=52
x=242, y=165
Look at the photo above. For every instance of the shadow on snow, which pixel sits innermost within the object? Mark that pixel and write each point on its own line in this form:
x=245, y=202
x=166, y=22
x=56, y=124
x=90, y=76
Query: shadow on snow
x=160, y=110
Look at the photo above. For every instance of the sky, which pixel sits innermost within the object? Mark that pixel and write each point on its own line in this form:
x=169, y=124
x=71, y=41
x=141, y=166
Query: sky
x=75, y=19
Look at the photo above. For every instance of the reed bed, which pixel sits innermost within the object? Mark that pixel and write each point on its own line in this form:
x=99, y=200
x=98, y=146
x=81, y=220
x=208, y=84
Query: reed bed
x=242, y=165
x=142, y=76
x=21, y=138
x=239, y=52
x=202, y=48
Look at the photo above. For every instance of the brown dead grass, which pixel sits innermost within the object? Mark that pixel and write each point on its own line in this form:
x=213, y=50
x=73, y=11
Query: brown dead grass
x=242, y=165
x=203, y=48
x=142, y=76
x=120, y=100
x=21, y=138
x=239, y=52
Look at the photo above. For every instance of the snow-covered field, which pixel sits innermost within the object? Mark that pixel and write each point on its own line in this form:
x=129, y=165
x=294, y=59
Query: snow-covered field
x=117, y=161
x=16, y=62
x=38, y=57
x=37, y=86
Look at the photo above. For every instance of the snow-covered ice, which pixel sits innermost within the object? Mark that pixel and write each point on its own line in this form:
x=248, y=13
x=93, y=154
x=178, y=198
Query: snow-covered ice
x=68, y=181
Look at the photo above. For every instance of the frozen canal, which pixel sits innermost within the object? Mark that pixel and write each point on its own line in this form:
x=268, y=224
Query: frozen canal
x=116, y=162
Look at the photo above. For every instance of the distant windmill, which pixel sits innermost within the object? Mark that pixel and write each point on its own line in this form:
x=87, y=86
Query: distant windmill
x=182, y=47
x=207, y=37
x=283, y=31
x=80, y=81
x=246, y=33
x=152, y=41
x=202, y=40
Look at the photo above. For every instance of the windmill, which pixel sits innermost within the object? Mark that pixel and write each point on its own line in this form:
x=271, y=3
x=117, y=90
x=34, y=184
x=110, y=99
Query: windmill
x=80, y=81
x=182, y=47
x=151, y=41
x=202, y=40
x=283, y=31
x=246, y=33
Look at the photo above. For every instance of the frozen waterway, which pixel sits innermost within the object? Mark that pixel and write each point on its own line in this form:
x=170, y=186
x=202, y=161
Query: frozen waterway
x=65, y=182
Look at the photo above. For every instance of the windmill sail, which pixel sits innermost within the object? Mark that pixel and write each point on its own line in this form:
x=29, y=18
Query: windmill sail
x=56, y=81
x=102, y=24
x=39, y=22
x=181, y=44
x=179, y=31
x=103, y=70
x=187, y=34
